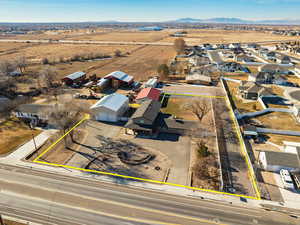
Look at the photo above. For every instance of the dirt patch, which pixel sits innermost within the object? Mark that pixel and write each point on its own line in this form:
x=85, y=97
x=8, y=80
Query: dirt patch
x=205, y=170
x=14, y=133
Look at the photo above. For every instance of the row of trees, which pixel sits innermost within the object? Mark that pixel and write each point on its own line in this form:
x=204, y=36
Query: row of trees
x=6, y=67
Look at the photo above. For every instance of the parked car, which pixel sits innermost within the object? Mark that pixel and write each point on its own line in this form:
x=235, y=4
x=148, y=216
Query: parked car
x=286, y=179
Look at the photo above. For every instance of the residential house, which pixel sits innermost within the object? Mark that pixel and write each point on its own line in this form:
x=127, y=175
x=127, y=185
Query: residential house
x=148, y=94
x=34, y=113
x=232, y=67
x=143, y=120
x=297, y=69
x=263, y=52
x=284, y=59
x=244, y=58
x=271, y=56
x=261, y=78
x=251, y=90
x=273, y=68
x=198, y=78
x=199, y=60
x=234, y=45
x=296, y=112
x=253, y=45
x=119, y=78
x=74, y=78
x=275, y=161
x=110, y=108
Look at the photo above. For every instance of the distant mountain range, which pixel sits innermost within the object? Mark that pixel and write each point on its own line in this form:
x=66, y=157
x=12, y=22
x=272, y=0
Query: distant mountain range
x=236, y=21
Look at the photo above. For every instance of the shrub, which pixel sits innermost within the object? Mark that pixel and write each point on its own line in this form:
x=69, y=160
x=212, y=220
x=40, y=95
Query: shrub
x=202, y=149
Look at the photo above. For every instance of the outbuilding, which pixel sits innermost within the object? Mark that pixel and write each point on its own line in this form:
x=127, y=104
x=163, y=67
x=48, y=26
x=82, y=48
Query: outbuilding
x=110, y=108
x=275, y=161
x=119, y=78
x=74, y=78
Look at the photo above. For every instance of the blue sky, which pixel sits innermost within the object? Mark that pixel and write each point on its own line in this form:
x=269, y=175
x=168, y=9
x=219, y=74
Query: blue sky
x=143, y=10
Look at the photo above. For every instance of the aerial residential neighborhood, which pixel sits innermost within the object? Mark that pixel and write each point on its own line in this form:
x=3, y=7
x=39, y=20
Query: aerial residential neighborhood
x=149, y=120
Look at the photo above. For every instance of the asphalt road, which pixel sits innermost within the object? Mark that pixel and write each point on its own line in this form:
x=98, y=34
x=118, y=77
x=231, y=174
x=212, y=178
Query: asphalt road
x=50, y=198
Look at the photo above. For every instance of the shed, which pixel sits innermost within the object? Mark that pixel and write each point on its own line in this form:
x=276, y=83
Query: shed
x=110, y=108
x=151, y=82
x=275, y=161
x=74, y=78
x=148, y=94
x=119, y=78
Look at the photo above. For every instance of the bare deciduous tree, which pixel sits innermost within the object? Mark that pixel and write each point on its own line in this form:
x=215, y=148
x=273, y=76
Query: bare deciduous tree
x=6, y=67
x=66, y=115
x=21, y=63
x=163, y=71
x=198, y=107
x=47, y=76
x=179, y=45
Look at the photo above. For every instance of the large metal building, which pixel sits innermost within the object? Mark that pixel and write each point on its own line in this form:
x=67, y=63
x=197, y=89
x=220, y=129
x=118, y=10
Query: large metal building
x=111, y=108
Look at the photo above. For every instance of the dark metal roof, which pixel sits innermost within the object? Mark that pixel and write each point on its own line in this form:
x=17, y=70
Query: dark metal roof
x=149, y=110
x=282, y=159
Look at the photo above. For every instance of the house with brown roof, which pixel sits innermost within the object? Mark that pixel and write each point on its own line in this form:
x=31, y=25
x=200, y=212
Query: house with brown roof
x=142, y=121
x=252, y=90
x=273, y=68
x=261, y=77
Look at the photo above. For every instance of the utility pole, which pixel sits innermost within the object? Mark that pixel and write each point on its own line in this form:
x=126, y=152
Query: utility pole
x=31, y=126
x=1, y=220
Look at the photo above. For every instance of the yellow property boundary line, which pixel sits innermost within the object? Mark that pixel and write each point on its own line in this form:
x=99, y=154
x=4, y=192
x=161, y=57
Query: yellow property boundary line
x=252, y=178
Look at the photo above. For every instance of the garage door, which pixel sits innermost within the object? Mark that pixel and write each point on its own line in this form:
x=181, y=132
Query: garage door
x=106, y=117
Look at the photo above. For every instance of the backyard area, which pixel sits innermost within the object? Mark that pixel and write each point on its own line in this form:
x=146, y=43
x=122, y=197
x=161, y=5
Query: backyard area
x=242, y=105
x=13, y=134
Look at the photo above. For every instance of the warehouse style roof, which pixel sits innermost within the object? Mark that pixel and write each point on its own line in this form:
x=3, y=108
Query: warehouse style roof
x=119, y=75
x=75, y=75
x=113, y=102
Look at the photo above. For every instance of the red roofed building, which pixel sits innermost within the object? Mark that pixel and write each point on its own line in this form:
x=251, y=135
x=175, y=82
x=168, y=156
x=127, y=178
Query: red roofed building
x=148, y=94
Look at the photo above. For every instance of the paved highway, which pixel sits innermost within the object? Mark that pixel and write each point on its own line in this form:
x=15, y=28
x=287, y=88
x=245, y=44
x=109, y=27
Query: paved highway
x=50, y=198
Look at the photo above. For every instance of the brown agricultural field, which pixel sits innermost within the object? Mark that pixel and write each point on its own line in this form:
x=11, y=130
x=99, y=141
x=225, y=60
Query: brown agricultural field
x=141, y=64
x=225, y=36
x=135, y=36
x=55, y=51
